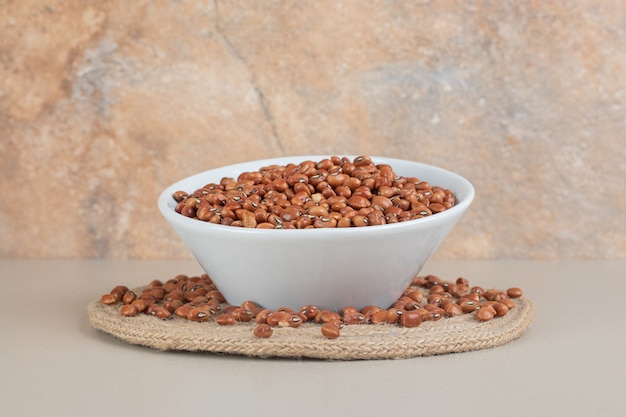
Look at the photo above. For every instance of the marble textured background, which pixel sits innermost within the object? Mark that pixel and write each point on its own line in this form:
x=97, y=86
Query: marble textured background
x=103, y=104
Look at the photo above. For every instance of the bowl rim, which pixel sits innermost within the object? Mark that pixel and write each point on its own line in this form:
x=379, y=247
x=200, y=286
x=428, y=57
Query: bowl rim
x=168, y=212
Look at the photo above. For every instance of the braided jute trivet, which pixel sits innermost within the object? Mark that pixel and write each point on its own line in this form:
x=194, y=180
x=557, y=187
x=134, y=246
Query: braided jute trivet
x=364, y=341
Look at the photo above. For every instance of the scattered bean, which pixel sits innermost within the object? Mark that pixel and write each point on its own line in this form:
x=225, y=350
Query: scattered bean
x=514, y=292
x=161, y=312
x=200, y=314
x=411, y=318
x=225, y=320
x=129, y=297
x=428, y=298
x=331, y=329
x=379, y=317
x=261, y=317
x=485, y=313
x=501, y=309
x=263, y=330
x=108, y=299
x=129, y=310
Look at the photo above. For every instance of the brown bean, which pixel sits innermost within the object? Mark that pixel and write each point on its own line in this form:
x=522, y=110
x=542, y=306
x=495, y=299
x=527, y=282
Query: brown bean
x=304, y=222
x=248, y=305
x=453, y=309
x=302, y=187
x=368, y=182
x=331, y=330
x=436, y=313
x=457, y=290
x=363, y=191
x=514, y=292
x=326, y=316
x=183, y=310
x=229, y=309
x=437, y=289
x=188, y=211
x=292, y=213
x=368, y=310
x=432, y=280
x=310, y=312
x=194, y=298
x=260, y=215
x=411, y=318
x=108, y=299
x=352, y=183
x=490, y=294
x=462, y=280
x=500, y=309
x=140, y=304
x=358, y=202
x=225, y=320
x=477, y=290
x=318, y=211
x=398, y=304
x=118, y=291
x=359, y=221
x=249, y=219
x=325, y=222
x=344, y=222
x=471, y=296
x=175, y=294
x=419, y=282
x=500, y=295
x=162, y=313
x=378, y=317
x=336, y=179
x=468, y=306
x=393, y=315
x=485, y=313
x=362, y=160
x=411, y=305
x=261, y=317
x=353, y=317
x=434, y=299
x=180, y=195
x=129, y=297
x=172, y=305
x=199, y=314
x=217, y=295
x=348, y=167
x=263, y=331
x=436, y=207
x=294, y=321
x=415, y=295
x=242, y=315
x=279, y=318
x=129, y=310
x=381, y=202
x=376, y=218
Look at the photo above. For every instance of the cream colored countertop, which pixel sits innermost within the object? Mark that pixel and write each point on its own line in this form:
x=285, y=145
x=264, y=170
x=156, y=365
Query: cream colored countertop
x=571, y=361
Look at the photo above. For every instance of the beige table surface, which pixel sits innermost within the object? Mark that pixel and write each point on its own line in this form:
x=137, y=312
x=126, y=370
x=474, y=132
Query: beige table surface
x=571, y=361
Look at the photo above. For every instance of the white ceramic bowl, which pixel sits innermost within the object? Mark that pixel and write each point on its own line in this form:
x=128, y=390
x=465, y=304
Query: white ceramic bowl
x=330, y=268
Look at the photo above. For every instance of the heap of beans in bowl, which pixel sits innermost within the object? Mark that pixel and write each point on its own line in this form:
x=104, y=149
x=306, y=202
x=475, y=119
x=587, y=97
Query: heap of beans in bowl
x=333, y=192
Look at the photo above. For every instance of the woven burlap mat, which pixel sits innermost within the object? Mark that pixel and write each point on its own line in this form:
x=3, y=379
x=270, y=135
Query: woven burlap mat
x=384, y=341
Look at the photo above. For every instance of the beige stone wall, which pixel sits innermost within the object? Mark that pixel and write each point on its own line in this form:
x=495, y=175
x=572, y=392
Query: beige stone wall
x=103, y=104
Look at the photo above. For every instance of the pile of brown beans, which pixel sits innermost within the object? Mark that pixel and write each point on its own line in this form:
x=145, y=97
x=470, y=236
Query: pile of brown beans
x=333, y=192
x=196, y=298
